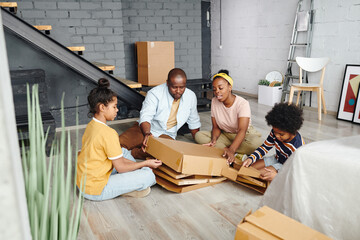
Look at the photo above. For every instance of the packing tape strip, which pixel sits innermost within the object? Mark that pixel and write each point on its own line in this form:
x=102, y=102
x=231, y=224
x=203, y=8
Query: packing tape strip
x=178, y=162
x=211, y=166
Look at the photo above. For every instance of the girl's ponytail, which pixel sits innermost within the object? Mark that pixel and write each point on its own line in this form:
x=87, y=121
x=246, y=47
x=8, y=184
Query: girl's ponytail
x=100, y=95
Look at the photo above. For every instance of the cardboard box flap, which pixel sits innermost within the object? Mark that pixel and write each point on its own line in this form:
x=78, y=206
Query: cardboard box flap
x=282, y=226
x=229, y=172
x=160, y=150
x=249, y=171
x=250, y=232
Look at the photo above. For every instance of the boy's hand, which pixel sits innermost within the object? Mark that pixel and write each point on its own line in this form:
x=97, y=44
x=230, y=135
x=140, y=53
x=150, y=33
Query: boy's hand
x=144, y=144
x=247, y=162
x=153, y=163
x=229, y=154
x=269, y=173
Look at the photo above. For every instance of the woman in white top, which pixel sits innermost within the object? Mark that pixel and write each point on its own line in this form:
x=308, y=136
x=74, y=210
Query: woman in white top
x=231, y=122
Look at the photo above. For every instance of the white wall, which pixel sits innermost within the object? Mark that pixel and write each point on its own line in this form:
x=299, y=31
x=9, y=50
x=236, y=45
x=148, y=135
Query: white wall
x=256, y=36
x=14, y=222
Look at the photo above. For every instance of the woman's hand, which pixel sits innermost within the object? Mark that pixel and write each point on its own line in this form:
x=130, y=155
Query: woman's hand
x=247, y=162
x=210, y=144
x=153, y=163
x=229, y=154
x=268, y=174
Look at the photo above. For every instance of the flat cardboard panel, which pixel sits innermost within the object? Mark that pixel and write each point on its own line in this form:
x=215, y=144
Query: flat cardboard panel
x=282, y=226
x=253, y=187
x=254, y=181
x=191, y=180
x=155, y=60
x=187, y=158
x=171, y=172
x=244, y=180
x=249, y=171
x=250, y=232
x=180, y=189
x=180, y=182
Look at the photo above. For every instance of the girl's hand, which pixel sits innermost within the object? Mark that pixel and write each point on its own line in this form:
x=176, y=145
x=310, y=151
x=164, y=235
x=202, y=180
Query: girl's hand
x=153, y=163
x=247, y=162
x=269, y=173
x=210, y=144
x=229, y=154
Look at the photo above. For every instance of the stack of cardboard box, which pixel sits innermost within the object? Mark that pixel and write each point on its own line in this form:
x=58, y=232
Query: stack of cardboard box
x=186, y=166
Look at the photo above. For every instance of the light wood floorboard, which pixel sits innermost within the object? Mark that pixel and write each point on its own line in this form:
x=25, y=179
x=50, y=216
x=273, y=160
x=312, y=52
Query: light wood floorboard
x=208, y=213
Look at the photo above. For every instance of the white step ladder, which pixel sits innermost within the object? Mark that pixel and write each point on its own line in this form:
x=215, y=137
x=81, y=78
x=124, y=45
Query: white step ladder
x=303, y=29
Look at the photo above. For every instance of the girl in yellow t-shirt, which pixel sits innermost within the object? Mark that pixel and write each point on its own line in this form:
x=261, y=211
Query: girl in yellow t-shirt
x=110, y=170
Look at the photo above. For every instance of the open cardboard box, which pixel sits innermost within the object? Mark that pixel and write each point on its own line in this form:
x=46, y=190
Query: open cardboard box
x=187, y=158
x=268, y=224
x=248, y=177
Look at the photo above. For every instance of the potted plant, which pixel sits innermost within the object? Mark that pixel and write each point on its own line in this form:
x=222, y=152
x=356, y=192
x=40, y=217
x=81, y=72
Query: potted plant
x=269, y=93
x=53, y=206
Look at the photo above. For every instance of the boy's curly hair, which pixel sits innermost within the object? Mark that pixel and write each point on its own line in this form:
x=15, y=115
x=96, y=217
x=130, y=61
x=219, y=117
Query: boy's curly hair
x=285, y=117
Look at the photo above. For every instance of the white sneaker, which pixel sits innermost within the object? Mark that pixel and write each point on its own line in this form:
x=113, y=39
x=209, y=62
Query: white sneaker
x=138, y=194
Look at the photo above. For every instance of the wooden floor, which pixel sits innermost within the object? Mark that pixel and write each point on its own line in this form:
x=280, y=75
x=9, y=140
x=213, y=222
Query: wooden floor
x=208, y=213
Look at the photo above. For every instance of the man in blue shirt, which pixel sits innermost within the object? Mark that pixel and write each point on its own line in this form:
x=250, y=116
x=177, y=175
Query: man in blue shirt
x=165, y=110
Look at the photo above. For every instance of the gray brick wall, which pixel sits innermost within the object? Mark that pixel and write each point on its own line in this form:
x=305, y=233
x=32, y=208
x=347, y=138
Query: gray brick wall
x=97, y=25
x=109, y=28
x=178, y=21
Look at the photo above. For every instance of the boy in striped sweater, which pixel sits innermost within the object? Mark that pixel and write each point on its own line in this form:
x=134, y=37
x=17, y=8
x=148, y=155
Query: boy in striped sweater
x=285, y=121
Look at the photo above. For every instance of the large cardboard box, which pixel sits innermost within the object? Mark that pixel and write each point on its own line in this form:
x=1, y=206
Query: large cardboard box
x=248, y=177
x=187, y=158
x=268, y=224
x=154, y=61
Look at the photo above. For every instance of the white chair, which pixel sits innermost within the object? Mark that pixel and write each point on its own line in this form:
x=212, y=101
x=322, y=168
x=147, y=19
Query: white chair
x=310, y=65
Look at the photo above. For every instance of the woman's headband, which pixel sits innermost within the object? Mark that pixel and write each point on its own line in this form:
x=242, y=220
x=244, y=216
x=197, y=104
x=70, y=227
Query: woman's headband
x=224, y=76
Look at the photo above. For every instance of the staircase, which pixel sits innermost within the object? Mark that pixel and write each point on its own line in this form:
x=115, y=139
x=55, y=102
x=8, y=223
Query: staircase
x=38, y=37
x=12, y=7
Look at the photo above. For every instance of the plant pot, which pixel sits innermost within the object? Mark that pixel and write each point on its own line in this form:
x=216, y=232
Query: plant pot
x=269, y=95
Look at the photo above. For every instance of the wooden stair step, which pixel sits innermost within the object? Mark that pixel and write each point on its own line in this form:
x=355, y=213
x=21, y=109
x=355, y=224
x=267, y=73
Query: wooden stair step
x=78, y=49
x=129, y=83
x=143, y=93
x=104, y=67
x=45, y=28
x=11, y=5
